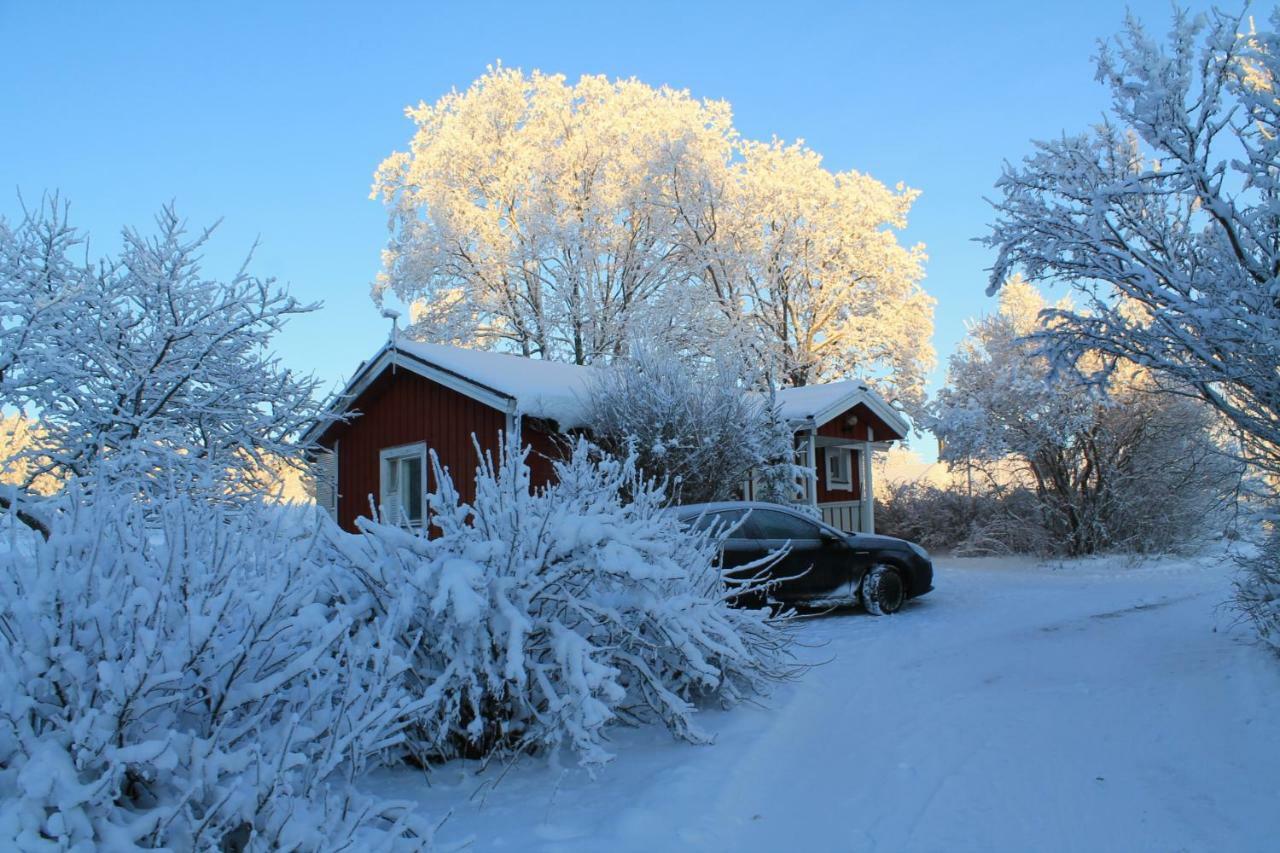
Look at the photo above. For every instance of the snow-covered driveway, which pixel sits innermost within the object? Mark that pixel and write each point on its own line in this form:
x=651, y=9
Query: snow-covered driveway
x=1093, y=706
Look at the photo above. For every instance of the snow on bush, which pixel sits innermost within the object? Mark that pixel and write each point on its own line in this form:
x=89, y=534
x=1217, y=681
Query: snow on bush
x=983, y=523
x=545, y=616
x=693, y=426
x=1080, y=463
x=1258, y=589
x=176, y=676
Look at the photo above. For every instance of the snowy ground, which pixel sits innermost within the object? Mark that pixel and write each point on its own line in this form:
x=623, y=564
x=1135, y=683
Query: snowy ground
x=1090, y=706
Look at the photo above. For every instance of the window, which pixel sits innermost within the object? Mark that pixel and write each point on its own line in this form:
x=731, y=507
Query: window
x=720, y=522
x=780, y=525
x=326, y=462
x=404, y=483
x=839, y=468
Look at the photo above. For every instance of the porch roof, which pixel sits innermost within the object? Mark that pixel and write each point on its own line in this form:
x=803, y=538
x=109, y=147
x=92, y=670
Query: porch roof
x=821, y=403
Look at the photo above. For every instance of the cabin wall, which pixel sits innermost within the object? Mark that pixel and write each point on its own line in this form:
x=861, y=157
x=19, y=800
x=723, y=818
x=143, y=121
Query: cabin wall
x=857, y=425
x=404, y=408
x=866, y=426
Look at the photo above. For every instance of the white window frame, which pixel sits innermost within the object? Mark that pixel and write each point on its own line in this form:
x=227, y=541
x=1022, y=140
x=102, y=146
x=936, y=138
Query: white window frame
x=389, y=456
x=834, y=481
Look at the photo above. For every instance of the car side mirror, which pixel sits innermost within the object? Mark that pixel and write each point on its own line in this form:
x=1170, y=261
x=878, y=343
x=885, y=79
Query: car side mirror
x=829, y=535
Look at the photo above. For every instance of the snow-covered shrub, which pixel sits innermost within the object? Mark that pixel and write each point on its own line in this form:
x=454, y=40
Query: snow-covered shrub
x=174, y=676
x=950, y=519
x=1124, y=465
x=690, y=424
x=545, y=616
x=1258, y=589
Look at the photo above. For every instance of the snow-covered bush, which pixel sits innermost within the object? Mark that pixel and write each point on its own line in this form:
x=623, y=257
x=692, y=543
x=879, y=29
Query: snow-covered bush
x=1094, y=458
x=545, y=616
x=691, y=425
x=174, y=676
x=1258, y=589
x=967, y=524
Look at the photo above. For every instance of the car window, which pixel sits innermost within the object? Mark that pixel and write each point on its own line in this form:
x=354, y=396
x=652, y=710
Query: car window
x=780, y=525
x=718, y=521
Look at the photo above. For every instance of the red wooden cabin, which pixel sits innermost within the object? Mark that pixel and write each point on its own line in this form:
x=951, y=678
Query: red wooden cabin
x=413, y=397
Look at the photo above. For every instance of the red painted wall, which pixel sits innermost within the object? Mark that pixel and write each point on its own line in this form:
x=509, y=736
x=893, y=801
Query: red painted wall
x=866, y=426
x=404, y=408
x=826, y=495
x=869, y=427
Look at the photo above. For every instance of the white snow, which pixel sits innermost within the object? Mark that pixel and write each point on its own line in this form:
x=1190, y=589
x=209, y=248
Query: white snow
x=1091, y=705
x=562, y=392
x=826, y=400
x=542, y=389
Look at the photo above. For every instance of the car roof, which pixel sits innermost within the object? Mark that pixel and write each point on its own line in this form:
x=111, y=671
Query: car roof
x=692, y=510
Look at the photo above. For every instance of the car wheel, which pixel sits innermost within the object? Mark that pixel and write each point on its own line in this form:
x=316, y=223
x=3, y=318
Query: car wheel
x=883, y=590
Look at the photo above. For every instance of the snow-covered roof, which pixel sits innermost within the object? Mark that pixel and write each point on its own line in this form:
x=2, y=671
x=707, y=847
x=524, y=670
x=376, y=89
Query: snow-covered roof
x=823, y=402
x=560, y=392
x=540, y=389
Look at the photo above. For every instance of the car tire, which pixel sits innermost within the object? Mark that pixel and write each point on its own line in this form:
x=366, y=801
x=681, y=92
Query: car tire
x=883, y=591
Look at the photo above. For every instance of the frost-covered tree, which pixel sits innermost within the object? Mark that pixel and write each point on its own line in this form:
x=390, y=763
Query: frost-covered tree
x=1166, y=217
x=808, y=268
x=1094, y=458
x=566, y=220
x=691, y=424
x=138, y=366
x=544, y=214
x=20, y=441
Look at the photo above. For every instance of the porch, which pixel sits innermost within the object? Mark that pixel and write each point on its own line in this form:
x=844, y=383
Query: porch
x=839, y=482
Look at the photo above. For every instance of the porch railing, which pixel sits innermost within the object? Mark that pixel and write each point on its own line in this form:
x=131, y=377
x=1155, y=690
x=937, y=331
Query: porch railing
x=844, y=515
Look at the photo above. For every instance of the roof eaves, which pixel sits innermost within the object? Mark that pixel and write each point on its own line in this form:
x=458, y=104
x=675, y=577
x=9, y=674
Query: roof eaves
x=872, y=401
x=388, y=356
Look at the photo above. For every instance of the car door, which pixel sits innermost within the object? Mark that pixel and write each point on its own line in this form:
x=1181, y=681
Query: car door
x=741, y=547
x=818, y=565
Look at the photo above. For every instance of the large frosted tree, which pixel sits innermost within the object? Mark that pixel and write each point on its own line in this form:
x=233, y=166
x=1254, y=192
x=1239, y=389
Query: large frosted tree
x=545, y=215
x=806, y=263
x=1166, y=216
x=565, y=220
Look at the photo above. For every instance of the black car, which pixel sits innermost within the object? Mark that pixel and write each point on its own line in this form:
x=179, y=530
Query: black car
x=823, y=566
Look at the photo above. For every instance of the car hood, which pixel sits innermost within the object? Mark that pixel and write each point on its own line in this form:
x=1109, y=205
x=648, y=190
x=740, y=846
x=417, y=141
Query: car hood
x=875, y=540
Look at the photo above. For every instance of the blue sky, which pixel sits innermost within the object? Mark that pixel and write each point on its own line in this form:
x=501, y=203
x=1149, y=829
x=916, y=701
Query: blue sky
x=273, y=116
